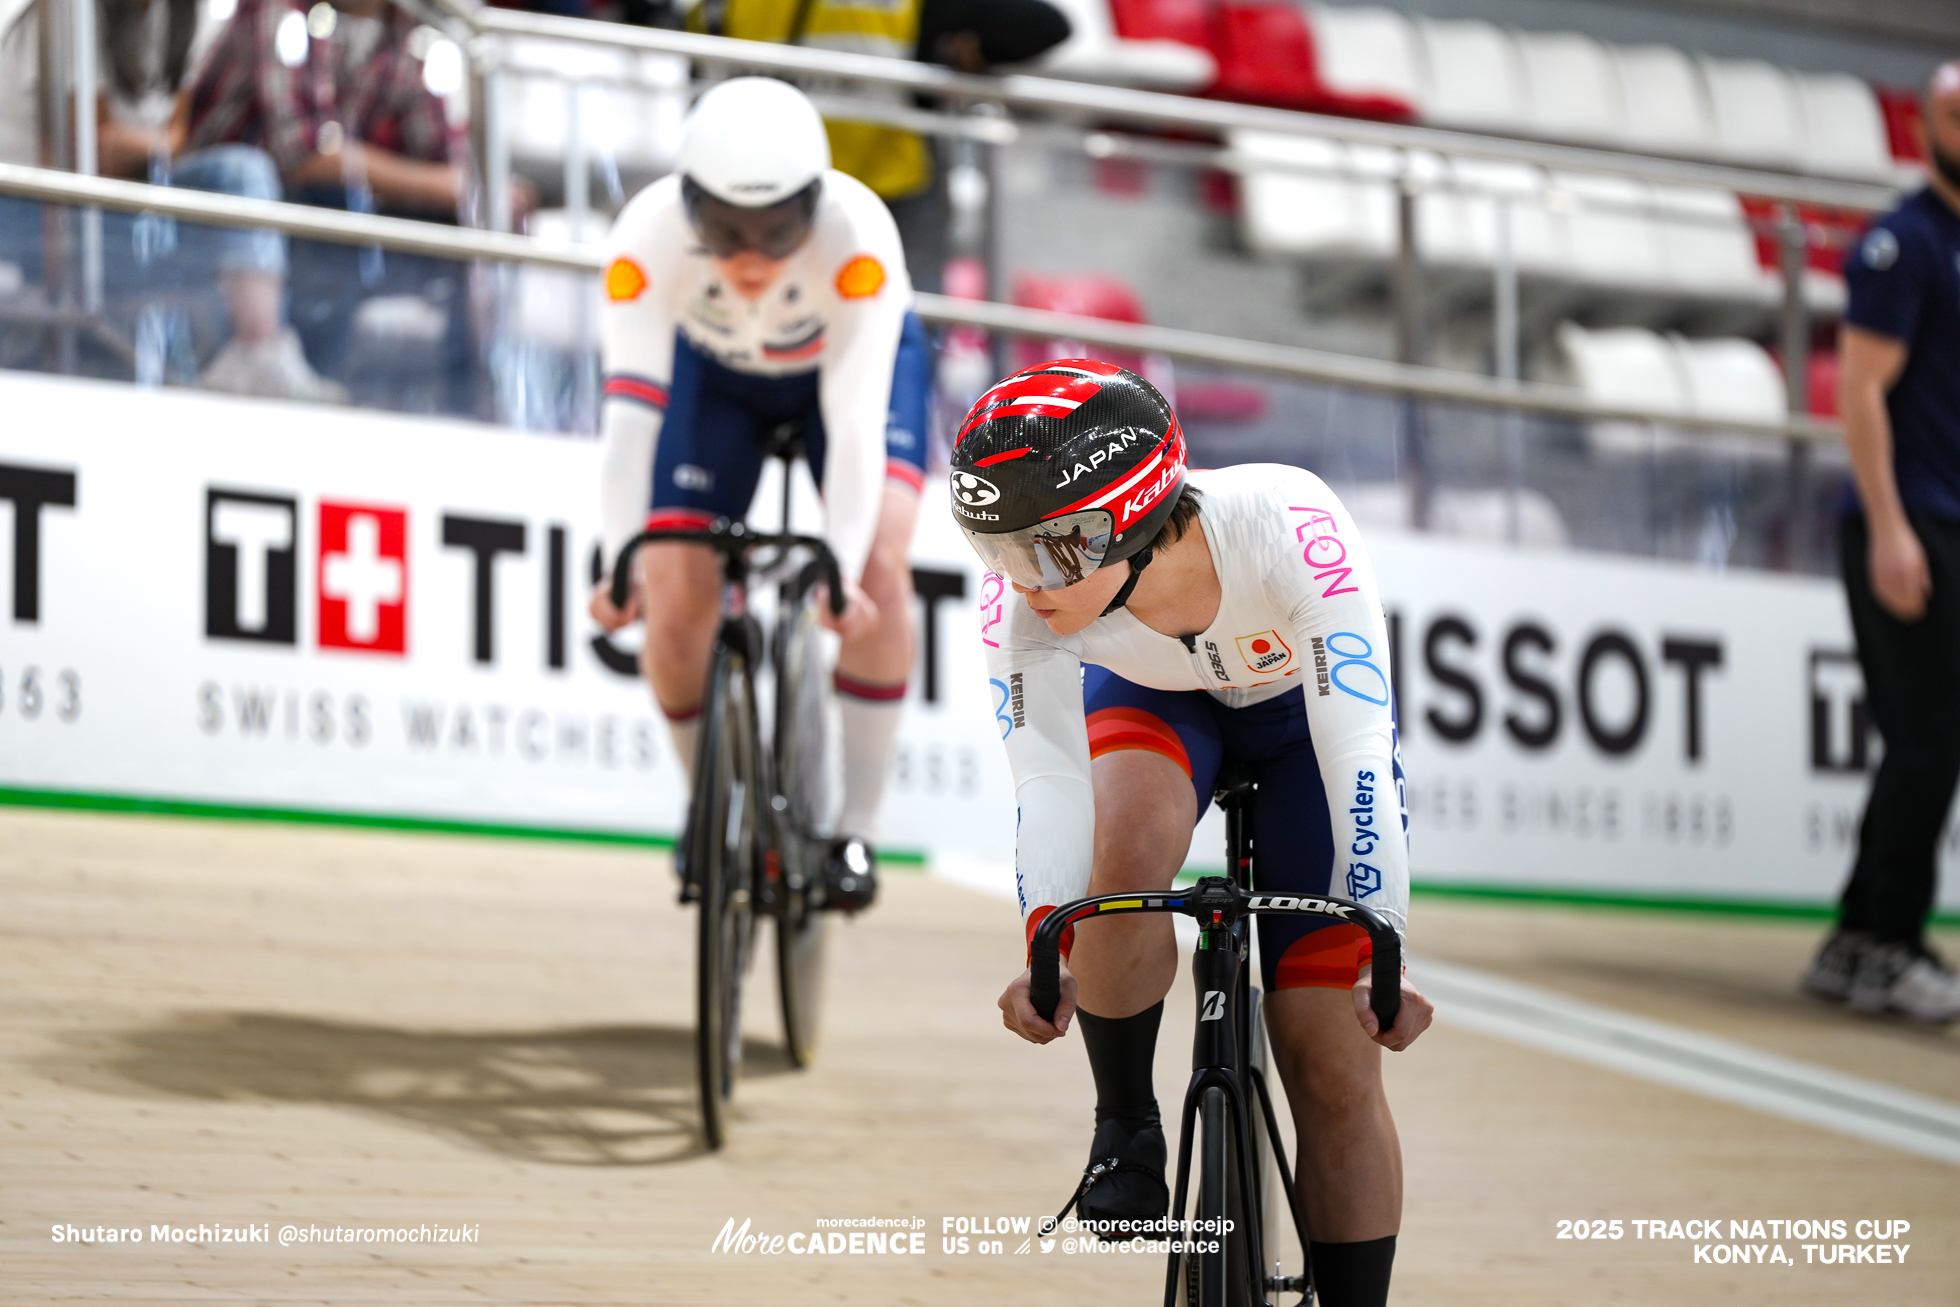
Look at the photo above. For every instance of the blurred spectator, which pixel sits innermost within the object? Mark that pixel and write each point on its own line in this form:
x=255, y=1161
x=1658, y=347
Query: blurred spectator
x=1900, y=400
x=335, y=96
x=148, y=53
x=20, y=141
x=969, y=35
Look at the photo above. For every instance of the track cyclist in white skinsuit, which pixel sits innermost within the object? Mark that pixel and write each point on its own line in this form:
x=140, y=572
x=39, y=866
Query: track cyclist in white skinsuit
x=1143, y=627
x=758, y=286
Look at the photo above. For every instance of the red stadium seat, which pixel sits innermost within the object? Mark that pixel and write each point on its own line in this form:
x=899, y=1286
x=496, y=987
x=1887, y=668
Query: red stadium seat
x=1085, y=295
x=1823, y=383
x=1187, y=22
x=1901, y=122
x=1265, y=53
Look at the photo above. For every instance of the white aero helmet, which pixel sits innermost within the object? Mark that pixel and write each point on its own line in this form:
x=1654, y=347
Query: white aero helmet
x=754, y=141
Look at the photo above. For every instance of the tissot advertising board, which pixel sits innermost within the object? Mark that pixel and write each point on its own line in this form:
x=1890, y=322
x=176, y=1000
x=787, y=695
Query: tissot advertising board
x=267, y=605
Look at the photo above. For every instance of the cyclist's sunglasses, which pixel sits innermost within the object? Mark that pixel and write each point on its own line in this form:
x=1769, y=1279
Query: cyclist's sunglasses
x=772, y=230
x=1050, y=555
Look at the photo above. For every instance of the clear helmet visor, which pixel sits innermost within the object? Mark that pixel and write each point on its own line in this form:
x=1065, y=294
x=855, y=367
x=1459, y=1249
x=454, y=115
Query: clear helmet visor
x=1048, y=555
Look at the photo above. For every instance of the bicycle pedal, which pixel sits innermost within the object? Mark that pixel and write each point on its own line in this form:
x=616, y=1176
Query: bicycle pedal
x=1286, y=1283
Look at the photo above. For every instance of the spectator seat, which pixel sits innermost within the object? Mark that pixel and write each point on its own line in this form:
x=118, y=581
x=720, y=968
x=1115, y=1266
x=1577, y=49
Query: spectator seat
x=1614, y=240
x=1629, y=366
x=1665, y=102
x=1901, y=109
x=1475, y=81
x=1731, y=377
x=1095, y=53
x=1363, y=53
x=1572, y=88
x=1312, y=213
x=1707, y=247
x=1758, y=116
x=1844, y=129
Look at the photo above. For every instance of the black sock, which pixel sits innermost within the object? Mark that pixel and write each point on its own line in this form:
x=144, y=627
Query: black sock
x=1353, y=1274
x=1122, y=1051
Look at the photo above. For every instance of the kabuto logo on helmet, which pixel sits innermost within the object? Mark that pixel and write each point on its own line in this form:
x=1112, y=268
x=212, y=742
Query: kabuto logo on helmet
x=1052, y=390
x=974, y=491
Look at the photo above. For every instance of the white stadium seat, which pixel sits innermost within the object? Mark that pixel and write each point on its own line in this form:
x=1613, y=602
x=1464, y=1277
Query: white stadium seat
x=1475, y=81
x=1459, y=226
x=1613, y=240
x=1630, y=366
x=1758, y=118
x=1362, y=50
x=1301, y=214
x=1665, y=101
x=1572, y=87
x=1844, y=129
x=1731, y=378
x=1706, y=245
x=1094, y=53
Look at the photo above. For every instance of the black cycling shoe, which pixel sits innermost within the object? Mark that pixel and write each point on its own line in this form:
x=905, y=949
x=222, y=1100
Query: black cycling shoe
x=850, y=875
x=1129, y=1198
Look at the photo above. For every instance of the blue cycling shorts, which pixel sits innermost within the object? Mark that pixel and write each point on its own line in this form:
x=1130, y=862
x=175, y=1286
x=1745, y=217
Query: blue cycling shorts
x=1292, y=836
x=709, y=456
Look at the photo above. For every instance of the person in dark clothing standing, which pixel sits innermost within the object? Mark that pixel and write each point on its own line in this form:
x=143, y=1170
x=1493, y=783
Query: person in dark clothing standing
x=1900, y=357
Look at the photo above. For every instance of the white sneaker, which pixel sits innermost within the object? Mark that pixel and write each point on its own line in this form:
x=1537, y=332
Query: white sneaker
x=1830, y=974
x=273, y=369
x=1899, y=978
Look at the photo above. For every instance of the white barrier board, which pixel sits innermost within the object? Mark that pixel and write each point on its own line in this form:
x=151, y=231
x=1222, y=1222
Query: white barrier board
x=266, y=605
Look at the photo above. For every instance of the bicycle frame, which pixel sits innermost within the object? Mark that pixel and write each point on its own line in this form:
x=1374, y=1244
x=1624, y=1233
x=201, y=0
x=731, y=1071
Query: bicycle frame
x=1224, y=908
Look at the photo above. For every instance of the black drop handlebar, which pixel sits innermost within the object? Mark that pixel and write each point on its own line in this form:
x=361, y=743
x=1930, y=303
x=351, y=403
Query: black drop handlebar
x=733, y=540
x=1216, y=899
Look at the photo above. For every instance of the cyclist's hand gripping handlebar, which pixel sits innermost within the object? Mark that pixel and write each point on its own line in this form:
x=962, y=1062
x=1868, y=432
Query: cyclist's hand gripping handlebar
x=731, y=539
x=1217, y=894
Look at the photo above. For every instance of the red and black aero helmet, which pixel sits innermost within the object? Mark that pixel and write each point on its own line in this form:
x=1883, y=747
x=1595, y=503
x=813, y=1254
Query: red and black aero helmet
x=1066, y=467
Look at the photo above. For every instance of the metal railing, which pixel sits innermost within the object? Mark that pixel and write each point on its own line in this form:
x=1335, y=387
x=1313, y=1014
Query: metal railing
x=426, y=238
x=1153, y=109
x=977, y=105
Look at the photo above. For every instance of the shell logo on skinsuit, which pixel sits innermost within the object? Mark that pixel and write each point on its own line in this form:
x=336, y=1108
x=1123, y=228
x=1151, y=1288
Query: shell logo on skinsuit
x=625, y=280
x=860, y=278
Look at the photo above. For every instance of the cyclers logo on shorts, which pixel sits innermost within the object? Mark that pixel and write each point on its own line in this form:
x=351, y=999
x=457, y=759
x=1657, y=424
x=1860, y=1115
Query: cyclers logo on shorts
x=1363, y=879
x=1011, y=711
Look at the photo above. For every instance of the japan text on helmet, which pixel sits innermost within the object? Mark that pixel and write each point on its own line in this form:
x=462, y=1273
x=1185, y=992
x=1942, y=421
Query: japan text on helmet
x=752, y=162
x=1066, y=467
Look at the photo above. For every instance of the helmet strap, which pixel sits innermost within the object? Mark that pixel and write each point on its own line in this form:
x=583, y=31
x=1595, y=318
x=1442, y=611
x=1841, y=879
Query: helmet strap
x=1138, y=561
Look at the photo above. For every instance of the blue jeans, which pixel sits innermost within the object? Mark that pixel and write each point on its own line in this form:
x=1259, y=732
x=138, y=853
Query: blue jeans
x=157, y=252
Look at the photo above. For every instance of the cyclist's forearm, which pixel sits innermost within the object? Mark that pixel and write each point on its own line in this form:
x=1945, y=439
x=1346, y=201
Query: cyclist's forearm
x=626, y=472
x=1055, y=841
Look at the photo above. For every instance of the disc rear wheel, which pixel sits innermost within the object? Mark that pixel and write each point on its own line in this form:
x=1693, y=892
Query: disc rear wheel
x=805, y=781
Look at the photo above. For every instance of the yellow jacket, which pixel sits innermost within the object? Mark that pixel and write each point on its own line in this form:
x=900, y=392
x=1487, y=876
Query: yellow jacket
x=892, y=162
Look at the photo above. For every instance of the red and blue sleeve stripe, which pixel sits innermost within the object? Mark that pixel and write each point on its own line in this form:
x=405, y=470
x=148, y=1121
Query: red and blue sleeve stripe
x=623, y=385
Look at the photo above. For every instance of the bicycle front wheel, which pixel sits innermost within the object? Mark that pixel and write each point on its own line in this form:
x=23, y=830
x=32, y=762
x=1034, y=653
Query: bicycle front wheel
x=807, y=784
x=721, y=854
x=1218, y=1278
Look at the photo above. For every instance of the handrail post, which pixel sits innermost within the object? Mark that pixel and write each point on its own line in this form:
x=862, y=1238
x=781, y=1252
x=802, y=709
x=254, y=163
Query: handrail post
x=1794, y=329
x=993, y=238
x=82, y=26
x=1410, y=339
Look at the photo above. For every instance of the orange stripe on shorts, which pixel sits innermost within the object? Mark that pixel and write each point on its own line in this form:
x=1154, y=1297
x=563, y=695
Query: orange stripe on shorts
x=1111, y=729
x=1330, y=958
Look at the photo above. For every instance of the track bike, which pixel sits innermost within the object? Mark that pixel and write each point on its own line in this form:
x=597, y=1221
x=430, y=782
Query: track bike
x=1219, y=1260
x=755, y=837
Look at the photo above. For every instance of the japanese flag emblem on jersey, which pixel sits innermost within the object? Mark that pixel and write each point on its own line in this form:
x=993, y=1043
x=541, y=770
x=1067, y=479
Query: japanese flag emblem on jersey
x=1265, y=652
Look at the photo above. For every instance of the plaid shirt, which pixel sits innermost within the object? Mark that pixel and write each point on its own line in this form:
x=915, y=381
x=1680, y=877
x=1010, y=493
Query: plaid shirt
x=245, y=93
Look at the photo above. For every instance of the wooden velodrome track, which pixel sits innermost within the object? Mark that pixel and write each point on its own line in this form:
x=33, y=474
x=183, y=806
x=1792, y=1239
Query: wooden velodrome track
x=242, y=1024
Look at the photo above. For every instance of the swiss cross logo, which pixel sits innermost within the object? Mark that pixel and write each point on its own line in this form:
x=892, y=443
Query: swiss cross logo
x=363, y=580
